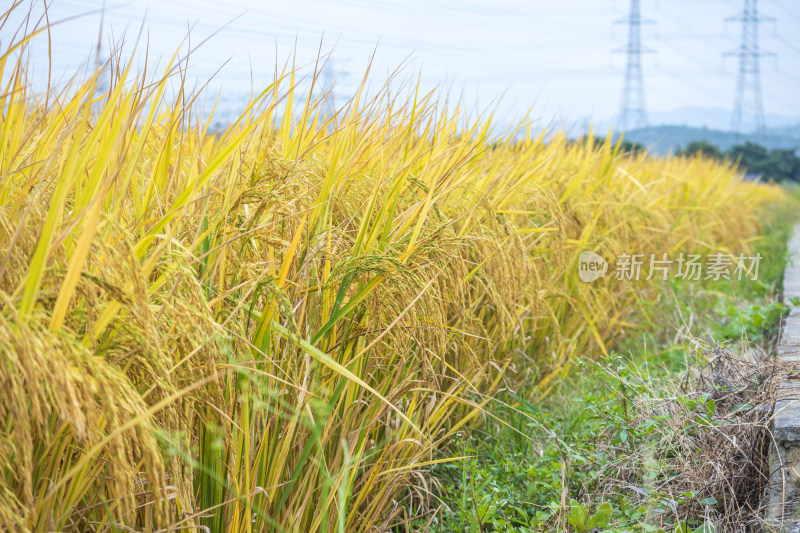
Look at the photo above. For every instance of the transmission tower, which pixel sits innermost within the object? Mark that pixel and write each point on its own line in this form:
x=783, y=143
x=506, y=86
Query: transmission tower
x=632, y=110
x=748, y=108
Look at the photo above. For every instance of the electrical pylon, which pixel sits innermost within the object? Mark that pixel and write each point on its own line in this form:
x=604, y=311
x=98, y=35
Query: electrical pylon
x=633, y=109
x=748, y=108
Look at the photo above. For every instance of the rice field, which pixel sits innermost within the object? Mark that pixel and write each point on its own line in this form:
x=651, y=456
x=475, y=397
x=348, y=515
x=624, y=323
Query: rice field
x=277, y=326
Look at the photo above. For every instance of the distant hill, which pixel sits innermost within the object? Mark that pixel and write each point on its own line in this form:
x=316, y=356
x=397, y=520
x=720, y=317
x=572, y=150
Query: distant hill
x=714, y=118
x=787, y=131
x=668, y=139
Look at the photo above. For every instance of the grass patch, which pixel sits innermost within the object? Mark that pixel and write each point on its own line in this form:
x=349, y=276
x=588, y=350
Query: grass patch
x=671, y=436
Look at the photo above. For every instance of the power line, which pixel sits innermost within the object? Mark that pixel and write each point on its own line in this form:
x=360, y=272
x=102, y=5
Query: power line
x=787, y=11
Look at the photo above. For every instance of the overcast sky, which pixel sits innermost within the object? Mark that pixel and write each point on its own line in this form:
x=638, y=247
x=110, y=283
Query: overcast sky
x=554, y=56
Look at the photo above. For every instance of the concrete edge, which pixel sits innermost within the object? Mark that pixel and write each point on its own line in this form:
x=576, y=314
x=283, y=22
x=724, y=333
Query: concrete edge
x=783, y=492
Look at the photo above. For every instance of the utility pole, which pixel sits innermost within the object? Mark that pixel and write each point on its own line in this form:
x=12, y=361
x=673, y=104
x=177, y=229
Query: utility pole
x=633, y=109
x=329, y=77
x=748, y=108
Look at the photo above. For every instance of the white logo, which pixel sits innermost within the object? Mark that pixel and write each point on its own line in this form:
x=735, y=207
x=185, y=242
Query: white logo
x=591, y=267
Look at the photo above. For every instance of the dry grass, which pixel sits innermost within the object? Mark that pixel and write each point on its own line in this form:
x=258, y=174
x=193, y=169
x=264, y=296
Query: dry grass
x=701, y=452
x=270, y=327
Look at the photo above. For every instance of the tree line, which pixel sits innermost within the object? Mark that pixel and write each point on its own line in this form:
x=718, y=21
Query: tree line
x=780, y=165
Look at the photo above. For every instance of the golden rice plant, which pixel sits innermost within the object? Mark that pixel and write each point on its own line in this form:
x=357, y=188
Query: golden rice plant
x=274, y=327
